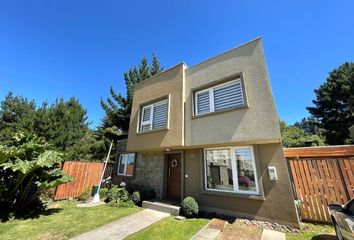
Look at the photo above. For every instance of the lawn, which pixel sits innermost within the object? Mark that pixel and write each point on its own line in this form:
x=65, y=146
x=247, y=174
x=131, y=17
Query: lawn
x=314, y=232
x=62, y=220
x=170, y=228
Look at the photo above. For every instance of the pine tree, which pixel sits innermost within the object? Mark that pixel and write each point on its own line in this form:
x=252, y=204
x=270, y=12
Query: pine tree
x=334, y=105
x=117, y=107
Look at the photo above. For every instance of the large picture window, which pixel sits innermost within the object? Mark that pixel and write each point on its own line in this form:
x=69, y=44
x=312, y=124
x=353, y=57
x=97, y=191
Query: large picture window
x=126, y=163
x=154, y=116
x=231, y=170
x=218, y=98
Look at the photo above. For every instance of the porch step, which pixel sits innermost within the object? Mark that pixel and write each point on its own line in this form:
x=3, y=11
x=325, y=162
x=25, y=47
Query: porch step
x=162, y=207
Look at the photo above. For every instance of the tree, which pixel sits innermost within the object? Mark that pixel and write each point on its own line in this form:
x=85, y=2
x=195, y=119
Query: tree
x=293, y=136
x=62, y=124
x=16, y=114
x=334, y=105
x=310, y=125
x=117, y=107
x=27, y=167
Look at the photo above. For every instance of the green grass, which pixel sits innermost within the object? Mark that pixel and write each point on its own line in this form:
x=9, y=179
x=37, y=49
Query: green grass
x=170, y=228
x=62, y=220
x=314, y=232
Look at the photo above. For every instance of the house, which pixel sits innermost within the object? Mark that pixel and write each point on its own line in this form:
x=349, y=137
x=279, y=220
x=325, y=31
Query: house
x=211, y=131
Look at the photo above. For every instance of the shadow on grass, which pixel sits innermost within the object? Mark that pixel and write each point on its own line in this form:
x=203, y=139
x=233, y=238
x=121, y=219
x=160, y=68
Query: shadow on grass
x=4, y=217
x=324, y=237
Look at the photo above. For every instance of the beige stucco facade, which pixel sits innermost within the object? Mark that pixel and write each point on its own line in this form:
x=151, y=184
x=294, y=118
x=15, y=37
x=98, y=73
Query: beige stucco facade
x=275, y=202
x=166, y=85
x=255, y=124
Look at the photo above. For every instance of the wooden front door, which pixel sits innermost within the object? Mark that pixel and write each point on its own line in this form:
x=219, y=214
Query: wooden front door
x=173, y=190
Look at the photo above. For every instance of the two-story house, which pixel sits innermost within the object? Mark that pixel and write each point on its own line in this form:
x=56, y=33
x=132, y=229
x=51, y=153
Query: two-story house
x=211, y=131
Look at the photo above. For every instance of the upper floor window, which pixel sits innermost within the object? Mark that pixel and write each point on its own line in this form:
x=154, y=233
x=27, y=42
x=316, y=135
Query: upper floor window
x=220, y=97
x=154, y=116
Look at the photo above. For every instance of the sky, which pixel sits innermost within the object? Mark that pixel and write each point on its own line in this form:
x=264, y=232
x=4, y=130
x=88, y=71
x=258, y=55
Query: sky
x=51, y=49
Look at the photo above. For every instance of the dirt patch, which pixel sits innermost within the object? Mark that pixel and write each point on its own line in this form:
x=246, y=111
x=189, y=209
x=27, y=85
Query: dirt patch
x=240, y=231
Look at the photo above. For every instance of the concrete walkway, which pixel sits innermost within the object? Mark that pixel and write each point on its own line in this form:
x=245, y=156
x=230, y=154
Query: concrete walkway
x=211, y=230
x=124, y=227
x=272, y=235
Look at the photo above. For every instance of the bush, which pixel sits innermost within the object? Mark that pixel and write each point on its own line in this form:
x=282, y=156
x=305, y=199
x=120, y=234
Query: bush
x=103, y=192
x=117, y=194
x=121, y=204
x=85, y=194
x=190, y=207
x=147, y=193
x=27, y=168
x=136, y=198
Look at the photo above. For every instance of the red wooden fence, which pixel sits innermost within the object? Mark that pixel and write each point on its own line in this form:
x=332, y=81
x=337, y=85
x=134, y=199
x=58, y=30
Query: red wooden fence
x=85, y=174
x=321, y=176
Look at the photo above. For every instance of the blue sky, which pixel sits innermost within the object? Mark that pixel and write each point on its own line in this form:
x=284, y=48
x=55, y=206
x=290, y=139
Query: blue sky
x=52, y=49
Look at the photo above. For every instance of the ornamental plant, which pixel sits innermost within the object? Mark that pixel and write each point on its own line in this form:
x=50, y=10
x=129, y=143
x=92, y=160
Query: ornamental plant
x=190, y=207
x=27, y=168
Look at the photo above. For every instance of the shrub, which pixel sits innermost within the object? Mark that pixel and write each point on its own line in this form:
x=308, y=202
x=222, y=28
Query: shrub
x=190, y=207
x=103, y=192
x=27, y=168
x=147, y=193
x=85, y=194
x=121, y=204
x=136, y=198
x=117, y=194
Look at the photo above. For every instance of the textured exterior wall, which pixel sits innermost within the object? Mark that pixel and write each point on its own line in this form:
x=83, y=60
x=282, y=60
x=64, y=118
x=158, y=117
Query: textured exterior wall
x=257, y=123
x=277, y=204
x=169, y=82
x=149, y=171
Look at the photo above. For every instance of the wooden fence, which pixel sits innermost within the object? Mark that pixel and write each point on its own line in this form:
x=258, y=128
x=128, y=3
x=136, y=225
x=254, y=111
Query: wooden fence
x=85, y=174
x=321, y=176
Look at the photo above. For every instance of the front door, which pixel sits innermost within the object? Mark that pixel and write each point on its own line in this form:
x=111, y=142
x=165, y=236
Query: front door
x=173, y=190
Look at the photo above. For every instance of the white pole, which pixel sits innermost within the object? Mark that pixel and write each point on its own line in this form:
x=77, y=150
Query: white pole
x=96, y=198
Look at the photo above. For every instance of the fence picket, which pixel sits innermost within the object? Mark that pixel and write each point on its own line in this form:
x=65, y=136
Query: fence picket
x=321, y=176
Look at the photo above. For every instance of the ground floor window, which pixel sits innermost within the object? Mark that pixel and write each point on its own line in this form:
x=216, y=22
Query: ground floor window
x=126, y=164
x=231, y=169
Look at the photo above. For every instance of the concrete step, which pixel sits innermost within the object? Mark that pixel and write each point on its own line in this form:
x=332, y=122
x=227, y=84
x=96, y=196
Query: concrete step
x=162, y=207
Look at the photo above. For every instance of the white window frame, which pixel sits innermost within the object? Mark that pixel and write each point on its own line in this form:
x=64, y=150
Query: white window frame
x=125, y=164
x=234, y=171
x=150, y=121
x=211, y=96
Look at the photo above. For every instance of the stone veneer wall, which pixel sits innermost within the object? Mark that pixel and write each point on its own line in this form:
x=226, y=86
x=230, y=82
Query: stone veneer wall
x=149, y=168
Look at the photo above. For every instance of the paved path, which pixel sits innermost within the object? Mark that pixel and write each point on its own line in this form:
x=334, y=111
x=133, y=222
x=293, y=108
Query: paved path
x=272, y=235
x=211, y=230
x=124, y=227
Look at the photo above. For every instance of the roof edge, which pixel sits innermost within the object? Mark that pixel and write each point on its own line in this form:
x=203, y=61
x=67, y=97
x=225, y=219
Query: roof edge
x=227, y=51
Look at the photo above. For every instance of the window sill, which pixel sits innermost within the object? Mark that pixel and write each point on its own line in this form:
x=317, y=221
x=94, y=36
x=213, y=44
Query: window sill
x=218, y=112
x=124, y=176
x=235, y=195
x=152, y=131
